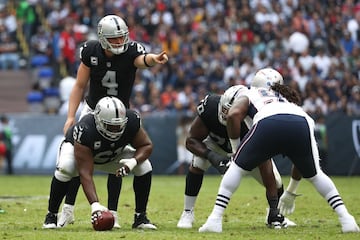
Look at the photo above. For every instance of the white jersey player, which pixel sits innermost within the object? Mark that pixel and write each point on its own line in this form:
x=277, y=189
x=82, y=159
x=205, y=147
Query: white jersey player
x=279, y=127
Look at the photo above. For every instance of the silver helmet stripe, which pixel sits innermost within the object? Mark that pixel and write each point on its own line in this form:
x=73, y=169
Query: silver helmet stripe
x=117, y=23
x=117, y=112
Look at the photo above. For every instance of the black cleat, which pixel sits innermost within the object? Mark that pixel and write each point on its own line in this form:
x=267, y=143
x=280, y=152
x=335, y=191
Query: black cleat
x=142, y=222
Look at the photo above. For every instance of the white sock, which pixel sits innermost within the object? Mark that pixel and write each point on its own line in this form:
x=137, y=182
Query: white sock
x=229, y=183
x=189, y=202
x=326, y=187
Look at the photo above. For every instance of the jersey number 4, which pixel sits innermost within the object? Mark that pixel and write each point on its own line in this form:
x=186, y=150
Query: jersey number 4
x=109, y=82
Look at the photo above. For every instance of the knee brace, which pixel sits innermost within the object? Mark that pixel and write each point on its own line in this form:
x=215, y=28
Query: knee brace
x=65, y=163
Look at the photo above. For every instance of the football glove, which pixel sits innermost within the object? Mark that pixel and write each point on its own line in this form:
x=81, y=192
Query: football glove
x=287, y=203
x=96, y=209
x=218, y=161
x=128, y=165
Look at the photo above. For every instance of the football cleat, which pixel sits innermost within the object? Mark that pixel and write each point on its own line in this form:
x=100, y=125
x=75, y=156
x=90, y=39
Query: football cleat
x=212, y=225
x=349, y=225
x=276, y=220
x=50, y=221
x=142, y=222
x=186, y=220
x=66, y=216
x=289, y=223
x=116, y=219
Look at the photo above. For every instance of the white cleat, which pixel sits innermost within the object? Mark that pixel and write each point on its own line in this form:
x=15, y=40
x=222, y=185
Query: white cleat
x=66, y=216
x=349, y=225
x=289, y=223
x=116, y=219
x=212, y=225
x=186, y=220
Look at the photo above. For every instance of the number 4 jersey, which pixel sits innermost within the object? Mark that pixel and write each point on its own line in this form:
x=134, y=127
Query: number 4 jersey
x=110, y=76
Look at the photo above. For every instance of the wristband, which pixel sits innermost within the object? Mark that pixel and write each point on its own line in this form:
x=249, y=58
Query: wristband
x=146, y=64
x=95, y=206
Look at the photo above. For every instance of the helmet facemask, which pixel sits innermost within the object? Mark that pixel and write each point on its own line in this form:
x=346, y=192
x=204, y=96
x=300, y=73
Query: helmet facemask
x=113, y=26
x=110, y=118
x=226, y=101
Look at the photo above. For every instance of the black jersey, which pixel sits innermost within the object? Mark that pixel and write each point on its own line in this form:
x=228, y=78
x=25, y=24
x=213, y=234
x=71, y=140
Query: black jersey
x=112, y=76
x=104, y=150
x=208, y=112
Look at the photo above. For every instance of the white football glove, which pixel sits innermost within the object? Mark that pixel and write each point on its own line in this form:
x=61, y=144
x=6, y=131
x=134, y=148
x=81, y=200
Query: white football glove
x=287, y=203
x=96, y=209
x=128, y=165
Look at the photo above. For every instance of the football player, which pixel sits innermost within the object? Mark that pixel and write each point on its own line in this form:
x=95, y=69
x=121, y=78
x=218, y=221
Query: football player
x=110, y=140
x=109, y=66
x=279, y=127
x=209, y=142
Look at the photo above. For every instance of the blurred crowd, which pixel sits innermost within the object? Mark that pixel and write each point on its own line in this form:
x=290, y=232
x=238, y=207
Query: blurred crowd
x=212, y=45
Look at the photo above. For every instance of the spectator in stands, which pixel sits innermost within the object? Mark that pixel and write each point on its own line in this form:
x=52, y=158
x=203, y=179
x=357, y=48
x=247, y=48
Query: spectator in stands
x=168, y=98
x=6, y=132
x=9, y=21
x=353, y=106
x=186, y=100
x=202, y=30
x=347, y=44
x=26, y=15
x=41, y=42
x=9, y=55
x=2, y=151
x=67, y=44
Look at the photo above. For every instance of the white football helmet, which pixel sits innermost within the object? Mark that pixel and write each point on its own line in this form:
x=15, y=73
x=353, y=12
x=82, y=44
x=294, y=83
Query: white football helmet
x=110, y=118
x=227, y=99
x=112, y=26
x=266, y=77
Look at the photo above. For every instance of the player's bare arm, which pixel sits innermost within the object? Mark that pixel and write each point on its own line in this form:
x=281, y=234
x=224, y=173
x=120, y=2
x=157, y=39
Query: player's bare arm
x=85, y=165
x=82, y=78
x=143, y=146
x=150, y=59
x=236, y=115
x=198, y=132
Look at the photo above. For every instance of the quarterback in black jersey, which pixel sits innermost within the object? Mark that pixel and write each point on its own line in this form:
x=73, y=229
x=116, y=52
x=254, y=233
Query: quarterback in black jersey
x=208, y=140
x=108, y=67
x=109, y=140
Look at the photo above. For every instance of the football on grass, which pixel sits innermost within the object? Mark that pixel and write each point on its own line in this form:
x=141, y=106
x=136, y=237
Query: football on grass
x=104, y=222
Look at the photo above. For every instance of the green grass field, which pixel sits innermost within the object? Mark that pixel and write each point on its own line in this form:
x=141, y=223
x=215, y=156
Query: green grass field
x=24, y=199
